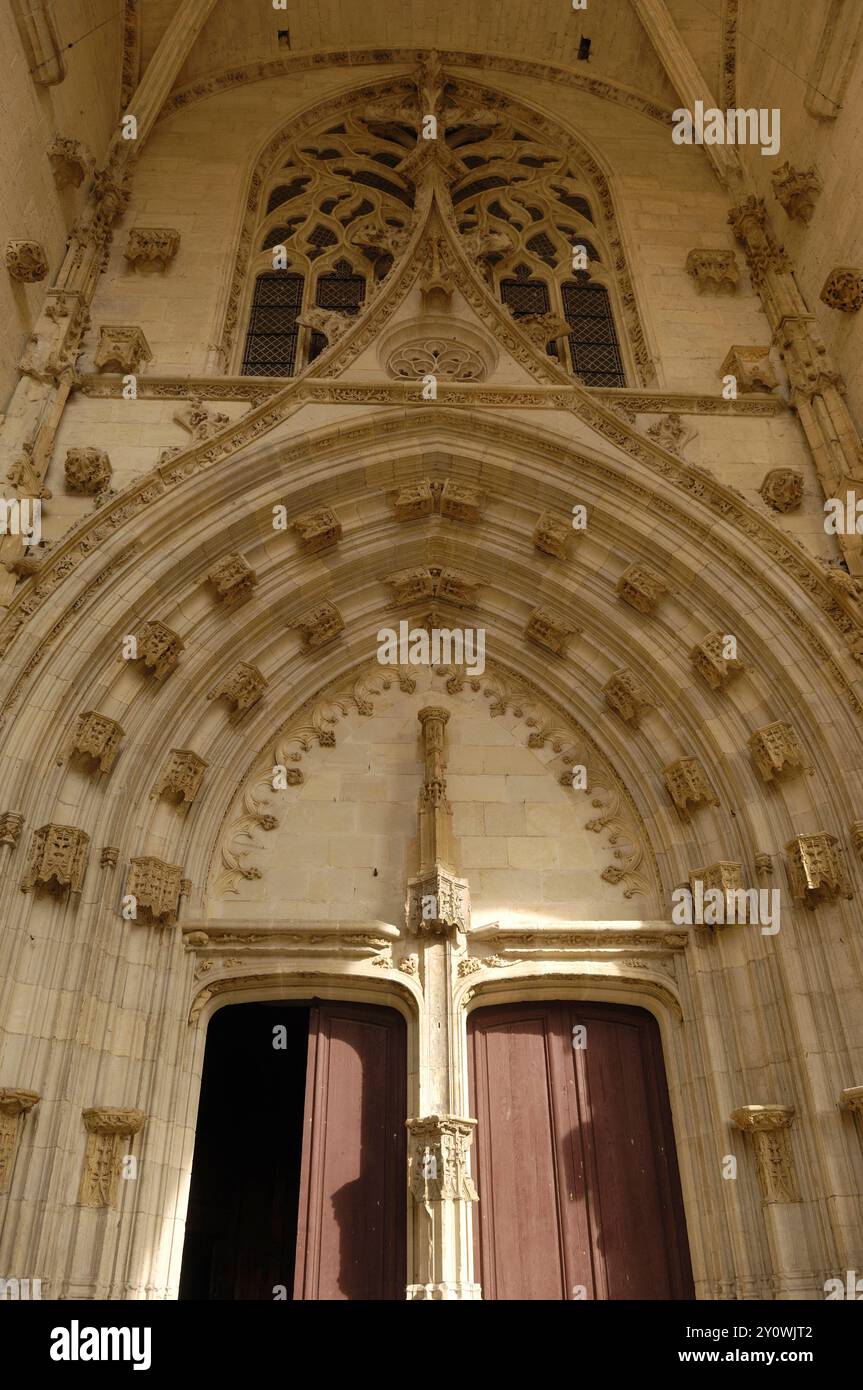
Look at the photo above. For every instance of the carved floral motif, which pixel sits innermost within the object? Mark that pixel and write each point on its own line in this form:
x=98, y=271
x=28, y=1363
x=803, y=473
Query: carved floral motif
x=87, y=470
x=843, y=289
x=782, y=489
x=26, y=261
x=447, y=359
x=769, y=1126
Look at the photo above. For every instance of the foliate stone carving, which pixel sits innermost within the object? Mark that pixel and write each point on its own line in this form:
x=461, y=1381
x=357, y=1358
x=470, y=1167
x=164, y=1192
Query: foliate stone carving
x=152, y=246
x=769, y=1126
x=94, y=736
x=414, y=500
x=438, y=1159
x=438, y=903
x=318, y=530
x=445, y=358
x=846, y=585
x=14, y=1104
x=775, y=747
x=782, y=489
x=671, y=433
x=725, y=876
x=243, y=686
x=233, y=579
x=715, y=271
x=710, y=662
x=460, y=501
x=109, y=1134
x=433, y=581
x=551, y=534
x=181, y=776
x=26, y=261
x=57, y=859
x=156, y=888
x=641, y=588
x=87, y=470
x=548, y=631
x=330, y=322
x=797, y=190
x=319, y=625
x=70, y=161
x=11, y=825
x=122, y=347
x=159, y=648
x=764, y=255
x=752, y=368
x=627, y=695
x=816, y=870
x=688, y=784
x=543, y=329
x=200, y=420
x=843, y=289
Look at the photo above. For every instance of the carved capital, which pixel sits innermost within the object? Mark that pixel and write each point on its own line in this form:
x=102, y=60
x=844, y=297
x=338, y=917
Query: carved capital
x=155, y=886
x=243, y=686
x=159, y=648
x=548, y=631
x=843, y=289
x=233, y=579
x=94, y=736
x=797, y=190
x=319, y=626
x=152, y=246
x=714, y=271
x=769, y=1126
x=57, y=859
x=14, y=1105
x=782, y=489
x=438, y=904
x=551, y=534
x=318, y=530
x=181, y=777
x=26, y=261
x=87, y=470
x=122, y=347
x=688, y=784
x=816, y=870
x=109, y=1133
x=627, y=695
x=641, y=588
x=775, y=748
x=710, y=662
x=752, y=368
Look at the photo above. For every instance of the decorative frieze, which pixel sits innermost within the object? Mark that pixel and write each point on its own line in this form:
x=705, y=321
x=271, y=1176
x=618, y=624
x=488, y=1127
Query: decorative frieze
x=181, y=777
x=243, y=686
x=688, y=784
x=318, y=530
x=460, y=502
x=815, y=869
x=551, y=534
x=122, y=347
x=774, y=748
x=152, y=246
x=709, y=659
x=11, y=825
x=751, y=367
x=438, y=903
x=159, y=648
x=109, y=1136
x=713, y=270
x=548, y=631
x=782, y=489
x=15, y=1104
x=769, y=1127
x=26, y=261
x=70, y=160
x=87, y=470
x=843, y=289
x=627, y=695
x=319, y=626
x=641, y=588
x=797, y=190
x=233, y=579
x=94, y=736
x=156, y=888
x=57, y=859
x=433, y=581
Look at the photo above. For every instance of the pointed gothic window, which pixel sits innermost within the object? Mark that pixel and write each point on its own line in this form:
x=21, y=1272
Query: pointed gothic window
x=271, y=342
x=593, y=345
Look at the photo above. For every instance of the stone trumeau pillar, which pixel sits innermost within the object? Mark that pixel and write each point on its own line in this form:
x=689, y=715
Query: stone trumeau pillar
x=438, y=914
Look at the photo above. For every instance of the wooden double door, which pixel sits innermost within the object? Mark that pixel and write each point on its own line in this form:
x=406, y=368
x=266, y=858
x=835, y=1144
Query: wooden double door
x=574, y=1156
x=299, y=1174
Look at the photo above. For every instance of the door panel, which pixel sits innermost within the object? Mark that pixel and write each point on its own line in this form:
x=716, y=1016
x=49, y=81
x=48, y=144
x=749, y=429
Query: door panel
x=353, y=1184
x=574, y=1156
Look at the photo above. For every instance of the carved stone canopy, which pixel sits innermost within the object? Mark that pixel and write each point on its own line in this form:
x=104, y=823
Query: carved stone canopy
x=438, y=903
x=769, y=1126
x=319, y=625
x=460, y=501
x=815, y=869
x=775, y=748
x=711, y=663
x=726, y=876
x=94, y=736
x=181, y=776
x=57, y=859
x=243, y=686
x=843, y=289
x=156, y=888
x=626, y=694
x=438, y=1159
x=318, y=530
x=797, y=190
x=159, y=648
x=123, y=347
x=152, y=246
x=641, y=588
x=782, y=489
x=433, y=581
x=549, y=631
x=752, y=368
x=688, y=784
x=70, y=161
x=714, y=271
x=87, y=470
x=233, y=579
x=551, y=534
x=26, y=261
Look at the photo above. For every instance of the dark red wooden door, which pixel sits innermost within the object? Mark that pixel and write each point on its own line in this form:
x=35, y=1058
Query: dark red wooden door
x=353, y=1182
x=574, y=1156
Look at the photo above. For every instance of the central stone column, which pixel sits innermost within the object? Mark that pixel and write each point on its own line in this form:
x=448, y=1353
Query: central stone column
x=438, y=914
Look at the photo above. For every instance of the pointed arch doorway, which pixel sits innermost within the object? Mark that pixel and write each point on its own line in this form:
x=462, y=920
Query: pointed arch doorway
x=574, y=1157
x=298, y=1176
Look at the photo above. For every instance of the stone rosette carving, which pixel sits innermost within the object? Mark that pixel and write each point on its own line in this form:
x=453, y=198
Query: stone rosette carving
x=815, y=869
x=87, y=470
x=769, y=1127
x=181, y=777
x=688, y=785
x=318, y=530
x=26, y=261
x=551, y=534
x=94, y=736
x=156, y=246
x=15, y=1104
x=320, y=625
x=233, y=579
x=156, y=888
x=641, y=588
x=752, y=368
x=445, y=358
x=713, y=270
x=123, y=347
x=109, y=1135
x=158, y=648
x=797, y=190
x=70, y=160
x=782, y=489
x=775, y=748
x=243, y=685
x=548, y=631
x=57, y=859
x=627, y=695
x=438, y=904
x=11, y=825
x=710, y=663
x=843, y=289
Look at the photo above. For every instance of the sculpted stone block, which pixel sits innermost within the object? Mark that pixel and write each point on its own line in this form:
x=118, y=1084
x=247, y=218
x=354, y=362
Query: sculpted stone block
x=550, y=535
x=843, y=289
x=433, y=581
x=438, y=904
x=243, y=686
x=413, y=500
x=233, y=579
x=26, y=261
x=714, y=271
x=318, y=530
x=70, y=161
x=627, y=695
x=181, y=776
x=752, y=368
x=688, y=784
x=156, y=888
x=460, y=502
x=797, y=190
x=774, y=748
x=641, y=588
x=94, y=736
x=547, y=631
x=109, y=1135
x=200, y=419
x=769, y=1126
x=816, y=870
x=122, y=347
x=438, y=1159
x=319, y=626
x=15, y=1104
x=87, y=470
x=152, y=246
x=159, y=648
x=57, y=859
x=710, y=662
x=782, y=489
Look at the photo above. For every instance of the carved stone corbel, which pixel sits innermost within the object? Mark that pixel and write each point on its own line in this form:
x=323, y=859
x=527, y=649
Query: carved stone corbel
x=109, y=1134
x=460, y=502
x=319, y=626
x=243, y=686
x=710, y=662
x=123, y=347
x=11, y=825
x=15, y=1104
x=775, y=748
x=548, y=631
x=769, y=1126
x=725, y=877
x=751, y=367
x=71, y=161
x=87, y=470
x=159, y=648
x=57, y=859
x=181, y=777
x=815, y=869
x=551, y=534
x=318, y=530
x=641, y=588
x=627, y=695
x=414, y=500
x=233, y=579
x=156, y=888
x=94, y=736
x=688, y=784
x=152, y=246
x=797, y=190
